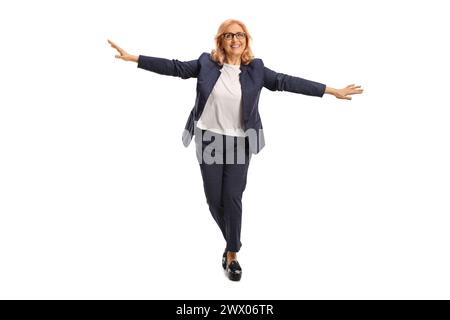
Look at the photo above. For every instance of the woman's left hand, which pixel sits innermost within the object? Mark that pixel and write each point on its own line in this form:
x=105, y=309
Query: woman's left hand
x=345, y=92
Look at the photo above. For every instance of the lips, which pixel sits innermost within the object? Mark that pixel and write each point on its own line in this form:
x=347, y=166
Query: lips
x=236, y=46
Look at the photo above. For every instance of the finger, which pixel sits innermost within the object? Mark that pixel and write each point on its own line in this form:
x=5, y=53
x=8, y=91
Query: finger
x=115, y=46
x=353, y=89
x=121, y=51
x=346, y=96
x=350, y=85
x=112, y=43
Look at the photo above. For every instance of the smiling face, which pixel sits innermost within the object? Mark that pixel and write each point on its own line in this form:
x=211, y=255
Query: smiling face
x=233, y=46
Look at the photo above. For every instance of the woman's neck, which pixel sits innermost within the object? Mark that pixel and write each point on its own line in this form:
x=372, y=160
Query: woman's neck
x=233, y=60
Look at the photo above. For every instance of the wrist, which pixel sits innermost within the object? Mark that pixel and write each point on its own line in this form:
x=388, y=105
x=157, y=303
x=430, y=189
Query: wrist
x=330, y=90
x=133, y=58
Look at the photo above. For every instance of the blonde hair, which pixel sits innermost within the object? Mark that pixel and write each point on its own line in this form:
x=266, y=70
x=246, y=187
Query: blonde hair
x=218, y=54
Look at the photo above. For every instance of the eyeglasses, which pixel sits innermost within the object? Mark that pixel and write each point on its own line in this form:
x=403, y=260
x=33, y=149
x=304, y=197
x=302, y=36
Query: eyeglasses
x=229, y=35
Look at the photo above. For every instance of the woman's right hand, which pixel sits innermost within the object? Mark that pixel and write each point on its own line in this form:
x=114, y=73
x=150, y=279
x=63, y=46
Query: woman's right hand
x=123, y=54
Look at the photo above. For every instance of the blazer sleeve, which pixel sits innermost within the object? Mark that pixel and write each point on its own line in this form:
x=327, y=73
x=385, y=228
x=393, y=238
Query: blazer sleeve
x=169, y=67
x=276, y=81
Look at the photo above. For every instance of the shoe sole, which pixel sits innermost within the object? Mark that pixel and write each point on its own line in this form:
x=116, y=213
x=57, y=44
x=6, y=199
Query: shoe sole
x=234, y=276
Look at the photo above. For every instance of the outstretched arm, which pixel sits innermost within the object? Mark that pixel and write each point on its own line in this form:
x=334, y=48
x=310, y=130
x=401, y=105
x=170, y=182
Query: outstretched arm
x=169, y=67
x=283, y=82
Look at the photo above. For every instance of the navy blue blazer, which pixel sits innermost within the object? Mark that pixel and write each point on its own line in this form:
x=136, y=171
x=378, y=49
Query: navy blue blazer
x=253, y=78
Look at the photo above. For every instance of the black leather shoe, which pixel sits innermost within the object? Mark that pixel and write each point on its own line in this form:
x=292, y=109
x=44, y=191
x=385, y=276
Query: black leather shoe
x=234, y=271
x=224, y=260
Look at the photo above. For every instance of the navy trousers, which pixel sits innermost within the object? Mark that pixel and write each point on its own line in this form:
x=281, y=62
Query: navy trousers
x=224, y=162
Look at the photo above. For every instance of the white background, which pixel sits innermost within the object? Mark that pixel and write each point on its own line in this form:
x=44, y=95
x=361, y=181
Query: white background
x=100, y=200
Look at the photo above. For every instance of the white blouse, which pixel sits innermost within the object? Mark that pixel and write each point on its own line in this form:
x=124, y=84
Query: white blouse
x=223, y=110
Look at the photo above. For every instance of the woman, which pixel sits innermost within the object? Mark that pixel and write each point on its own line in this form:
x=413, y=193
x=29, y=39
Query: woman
x=229, y=81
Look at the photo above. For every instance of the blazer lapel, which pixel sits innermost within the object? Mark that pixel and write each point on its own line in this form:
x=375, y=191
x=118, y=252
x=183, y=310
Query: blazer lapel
x=243, y=78
x=213, y=76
